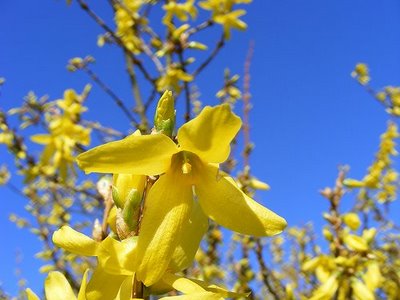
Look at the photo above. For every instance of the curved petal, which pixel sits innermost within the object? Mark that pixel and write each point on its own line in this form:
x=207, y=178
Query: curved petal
x=141, y=155
x=166, y=211
x=226, y=204
x=75, y=242
x=43, y=139
x=57, y=287
x=82, y=290
x=31, y=295
x=125, y=291
x=103, y=285
x=182, y=284
x=125, y=183
x=196, y=296
x=116, y=257
x=209, y=134
x=193, y=232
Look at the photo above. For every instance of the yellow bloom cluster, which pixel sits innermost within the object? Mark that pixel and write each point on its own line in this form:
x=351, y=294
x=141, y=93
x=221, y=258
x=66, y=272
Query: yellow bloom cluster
x=172, y=78
x=223, y=13
x=181, y=185
x=64, y=134
x=361, y=73
x=381, y=176
x=390, y=96
x=180, y=10
x=126, y=18
x=355, y=270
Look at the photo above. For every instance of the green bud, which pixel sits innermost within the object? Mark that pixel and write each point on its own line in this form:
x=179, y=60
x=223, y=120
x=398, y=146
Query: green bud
x=116, y=198
x=130, y=212
x=164, y=119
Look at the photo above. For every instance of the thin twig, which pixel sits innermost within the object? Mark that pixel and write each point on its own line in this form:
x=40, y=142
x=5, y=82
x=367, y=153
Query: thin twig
x=150, y=99
x=185, y=86
x=103, y=25
x=247, y=106
x=213, y=54
x=265, y=273
x=113, y=96
x=139, y=109
x=200, y=27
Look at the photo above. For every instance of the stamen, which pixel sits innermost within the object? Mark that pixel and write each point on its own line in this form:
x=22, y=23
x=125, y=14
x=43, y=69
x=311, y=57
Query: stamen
x=186, y=168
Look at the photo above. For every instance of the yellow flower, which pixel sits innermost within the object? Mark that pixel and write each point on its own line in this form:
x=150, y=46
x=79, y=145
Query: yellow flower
x=180, y=10
x=231, y=20
x=204, y=142
x=352, y=220
x=172, y=78
x=57, y=287
x=113, y=277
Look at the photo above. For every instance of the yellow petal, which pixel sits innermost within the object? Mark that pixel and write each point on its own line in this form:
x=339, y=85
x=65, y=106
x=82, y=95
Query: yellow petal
x=57, y=287
x=327, y=289
x=167, y=209
x=373, y=277
x=193, y=232
x=82, y=290
x=142, y=155
x=103, y=285
x=124, y=183
x=209, y=134
x=219, y=290
x=226, y=204
x=360, y=291
x=182, y=284
x=43, y=139
x=355, y=242
x=116, y=257
x=195, y=296
x=352, y=220
x=74, y=241
x=31, y=295
x=125, y=291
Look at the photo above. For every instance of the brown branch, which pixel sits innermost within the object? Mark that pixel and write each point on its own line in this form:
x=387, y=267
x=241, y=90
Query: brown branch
x=185, y=85
x=112, y=34
x=113, y=96
x=265, y=273
x=209, y=59
x=200, y=27
x=247, y=106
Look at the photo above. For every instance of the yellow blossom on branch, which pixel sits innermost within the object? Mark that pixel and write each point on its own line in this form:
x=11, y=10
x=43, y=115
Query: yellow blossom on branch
x=189, y=173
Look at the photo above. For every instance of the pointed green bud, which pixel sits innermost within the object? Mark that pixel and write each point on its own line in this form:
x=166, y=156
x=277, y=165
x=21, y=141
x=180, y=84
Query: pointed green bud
x=164, y=119
x=116, y=197
x=131, y=209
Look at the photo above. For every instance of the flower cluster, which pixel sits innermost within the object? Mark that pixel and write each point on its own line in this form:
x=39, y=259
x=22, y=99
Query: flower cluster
x=64, y=134
x=164, y=190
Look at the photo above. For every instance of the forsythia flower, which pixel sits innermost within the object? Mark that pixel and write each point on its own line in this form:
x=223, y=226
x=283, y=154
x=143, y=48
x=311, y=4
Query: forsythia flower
x=126, y=17
x=361, y=73
x=113, y=277
x=64, y=134
x=231, y=20
x=223, y=14
x=189, y=173
x=171, y=79
x=57, y=287
x=180, y=10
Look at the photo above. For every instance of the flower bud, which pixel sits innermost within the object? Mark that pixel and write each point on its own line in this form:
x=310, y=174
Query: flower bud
x=355, y=243
x=352, y=220
x=164, y=119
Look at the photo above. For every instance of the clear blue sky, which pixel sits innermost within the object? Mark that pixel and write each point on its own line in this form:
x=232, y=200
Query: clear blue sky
x=309, y=115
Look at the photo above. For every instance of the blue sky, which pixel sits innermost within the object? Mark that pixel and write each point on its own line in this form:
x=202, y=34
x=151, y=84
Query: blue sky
x=309, y=115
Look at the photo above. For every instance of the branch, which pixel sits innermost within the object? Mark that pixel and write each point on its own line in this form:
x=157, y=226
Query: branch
x=113, y=96
x=103, y=25
x=213, y=54
x=265, y=273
